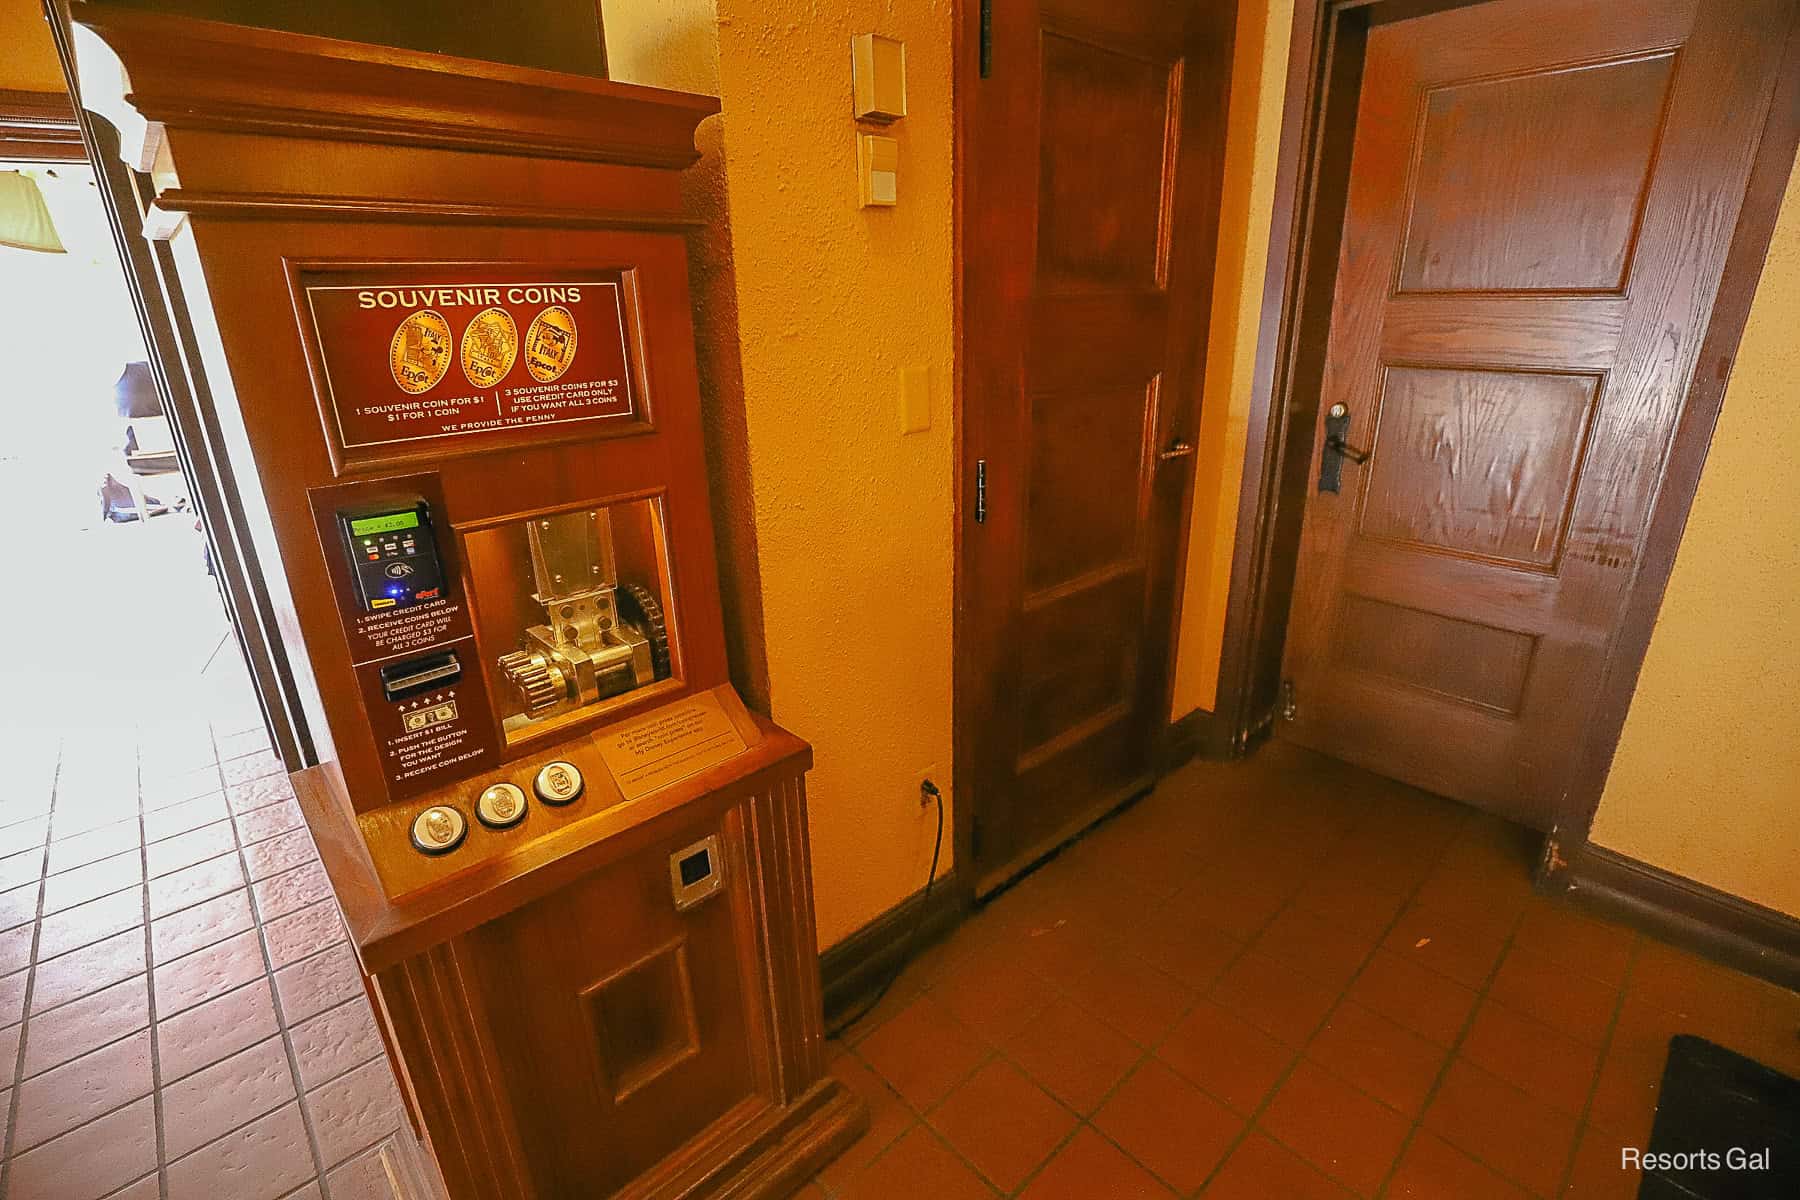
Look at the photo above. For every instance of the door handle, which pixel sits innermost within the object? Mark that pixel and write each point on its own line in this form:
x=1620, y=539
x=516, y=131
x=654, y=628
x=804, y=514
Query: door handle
x=1177, y=448
x=1331, y=463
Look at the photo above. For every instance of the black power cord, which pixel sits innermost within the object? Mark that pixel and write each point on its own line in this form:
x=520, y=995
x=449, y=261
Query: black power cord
x=926, y=788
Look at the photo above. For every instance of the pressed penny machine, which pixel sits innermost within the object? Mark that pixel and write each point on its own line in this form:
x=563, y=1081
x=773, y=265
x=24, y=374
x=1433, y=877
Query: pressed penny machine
x=442, y=310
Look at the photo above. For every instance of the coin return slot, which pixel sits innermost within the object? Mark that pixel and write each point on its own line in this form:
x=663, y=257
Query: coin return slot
x=643, y=1019
x=695, y=872
x=402, y=679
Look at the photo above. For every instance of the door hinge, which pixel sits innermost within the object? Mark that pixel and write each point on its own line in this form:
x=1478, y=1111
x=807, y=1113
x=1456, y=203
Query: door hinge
x=987, y=37
x=1290, y=707
x=981, y=491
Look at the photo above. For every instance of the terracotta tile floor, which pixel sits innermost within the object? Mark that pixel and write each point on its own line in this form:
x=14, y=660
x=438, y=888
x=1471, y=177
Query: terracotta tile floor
x=180, y=1015
x=1283, y=979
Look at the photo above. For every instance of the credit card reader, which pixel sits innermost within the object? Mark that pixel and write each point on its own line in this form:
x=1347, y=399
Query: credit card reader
x=393, y=555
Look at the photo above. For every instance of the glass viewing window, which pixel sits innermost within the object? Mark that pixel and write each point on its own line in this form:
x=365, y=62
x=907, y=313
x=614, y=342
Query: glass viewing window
x=572, y=609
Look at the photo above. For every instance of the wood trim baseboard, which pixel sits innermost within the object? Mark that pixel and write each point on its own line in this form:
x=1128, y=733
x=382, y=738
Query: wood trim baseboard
x=1201, y=735
x=856, y=966
x=1716, y=925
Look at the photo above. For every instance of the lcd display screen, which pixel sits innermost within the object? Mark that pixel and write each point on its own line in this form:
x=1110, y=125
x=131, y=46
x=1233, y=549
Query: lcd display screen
x=386, y=523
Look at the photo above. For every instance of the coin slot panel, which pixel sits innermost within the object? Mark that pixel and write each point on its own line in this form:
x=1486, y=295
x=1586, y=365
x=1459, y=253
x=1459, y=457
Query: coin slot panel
x=402, y=679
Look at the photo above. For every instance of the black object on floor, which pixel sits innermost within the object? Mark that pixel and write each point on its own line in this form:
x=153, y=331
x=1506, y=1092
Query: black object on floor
x=1727, y=1128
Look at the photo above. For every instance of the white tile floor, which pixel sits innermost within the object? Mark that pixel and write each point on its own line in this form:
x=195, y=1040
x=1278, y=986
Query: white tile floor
x=180, y=1013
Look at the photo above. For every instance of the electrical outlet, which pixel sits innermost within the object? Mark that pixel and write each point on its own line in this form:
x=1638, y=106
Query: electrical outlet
x=929, y=775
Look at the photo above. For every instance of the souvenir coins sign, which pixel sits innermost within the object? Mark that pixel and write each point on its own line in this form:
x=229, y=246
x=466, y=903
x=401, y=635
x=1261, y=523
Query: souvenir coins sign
x=534, y=350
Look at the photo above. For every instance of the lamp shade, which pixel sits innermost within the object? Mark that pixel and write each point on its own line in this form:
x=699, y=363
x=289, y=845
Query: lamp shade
x=24, y=218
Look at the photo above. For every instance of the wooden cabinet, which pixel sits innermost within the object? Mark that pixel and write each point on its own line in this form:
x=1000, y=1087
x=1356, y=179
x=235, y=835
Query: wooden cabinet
x=441, y=308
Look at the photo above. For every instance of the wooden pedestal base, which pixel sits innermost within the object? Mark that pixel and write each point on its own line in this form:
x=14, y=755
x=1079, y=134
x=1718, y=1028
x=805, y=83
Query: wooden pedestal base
x=562, y=1029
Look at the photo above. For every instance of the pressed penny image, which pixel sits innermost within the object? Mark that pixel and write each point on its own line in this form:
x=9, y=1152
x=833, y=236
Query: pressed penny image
x=550, y=344
x=419, y=353
x=490, y=346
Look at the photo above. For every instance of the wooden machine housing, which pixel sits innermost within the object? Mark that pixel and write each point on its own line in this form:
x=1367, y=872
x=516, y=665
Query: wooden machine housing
x=560, y=1026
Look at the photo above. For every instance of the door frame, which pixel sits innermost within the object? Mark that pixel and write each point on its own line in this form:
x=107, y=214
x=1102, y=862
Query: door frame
x=1318, y=126
x=968, y=51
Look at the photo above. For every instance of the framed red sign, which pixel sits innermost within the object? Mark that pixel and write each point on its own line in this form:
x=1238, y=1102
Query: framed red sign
x=425, y=359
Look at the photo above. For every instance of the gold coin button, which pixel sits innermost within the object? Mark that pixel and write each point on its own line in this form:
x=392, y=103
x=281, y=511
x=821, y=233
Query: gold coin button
x=439, y=829
x=558, y=783
x=501, y=806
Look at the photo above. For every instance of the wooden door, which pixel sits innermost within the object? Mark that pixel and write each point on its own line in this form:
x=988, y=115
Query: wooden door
x=1541, y=197
x=1091, y=162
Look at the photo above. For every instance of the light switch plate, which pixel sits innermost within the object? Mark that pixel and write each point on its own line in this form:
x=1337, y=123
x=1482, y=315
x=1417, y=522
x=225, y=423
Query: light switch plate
x=877, y=170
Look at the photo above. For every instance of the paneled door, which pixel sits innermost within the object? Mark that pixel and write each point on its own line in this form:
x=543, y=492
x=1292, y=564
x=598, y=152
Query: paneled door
x=1541, y=197
x=1093, y=134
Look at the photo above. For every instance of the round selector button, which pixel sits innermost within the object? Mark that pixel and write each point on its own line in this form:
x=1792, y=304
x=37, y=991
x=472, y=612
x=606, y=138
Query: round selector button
x=439, y=829
x=558, y=783
x=501, y=806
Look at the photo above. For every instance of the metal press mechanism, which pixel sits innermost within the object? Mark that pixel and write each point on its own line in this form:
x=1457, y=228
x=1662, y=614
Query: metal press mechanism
x=600, y=638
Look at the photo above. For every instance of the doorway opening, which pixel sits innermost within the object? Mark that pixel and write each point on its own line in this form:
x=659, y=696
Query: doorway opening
x=166, y=930
x=116, y=628
x=113, y=632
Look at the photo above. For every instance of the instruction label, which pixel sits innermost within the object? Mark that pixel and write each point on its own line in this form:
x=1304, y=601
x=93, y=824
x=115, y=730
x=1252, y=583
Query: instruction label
x=669, y=745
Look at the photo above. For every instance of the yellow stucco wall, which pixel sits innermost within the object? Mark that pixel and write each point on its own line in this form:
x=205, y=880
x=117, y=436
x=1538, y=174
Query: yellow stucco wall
x=27, y=55
x=853, y=521
x=842, y=526
x=1252, y=138
x=1706, y=782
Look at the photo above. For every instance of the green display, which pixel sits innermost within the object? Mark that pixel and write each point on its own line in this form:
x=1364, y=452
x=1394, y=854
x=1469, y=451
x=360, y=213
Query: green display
x=363, y=526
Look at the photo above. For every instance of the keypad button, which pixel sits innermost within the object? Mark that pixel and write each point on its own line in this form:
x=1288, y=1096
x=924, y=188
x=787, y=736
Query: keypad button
x=439, y=829
x=501, y=806
x=558, y=783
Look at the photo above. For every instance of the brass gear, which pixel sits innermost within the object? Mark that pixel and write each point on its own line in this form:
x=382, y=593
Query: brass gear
x=644, y=611
x=539, y=684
